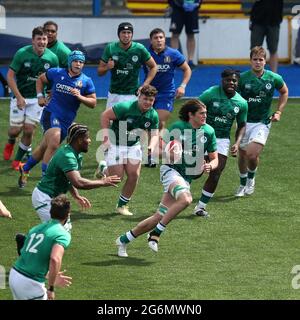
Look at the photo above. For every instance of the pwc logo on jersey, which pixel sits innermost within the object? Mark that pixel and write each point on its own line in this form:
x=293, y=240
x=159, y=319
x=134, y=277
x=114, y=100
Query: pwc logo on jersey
x=222, y=120
x=257, y=100
x=163, y=67
x=125, y=72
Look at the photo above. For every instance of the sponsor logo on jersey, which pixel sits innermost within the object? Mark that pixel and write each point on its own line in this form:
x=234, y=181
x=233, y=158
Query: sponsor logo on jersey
x=229, y=115
x=60, y=87
x=115, y=58
x=46, y=66
x=167, y=59
x=257, y=99
x=216, y=104
x=163, y=67
x=130, y=120
x=27, y=64
x=147, y=124
x=62, y=78
x=219, y=119
x=129, y=66
x=135, y=58
x=268, y=86
x=248, y=86
x=126, y=72
x=79, y=84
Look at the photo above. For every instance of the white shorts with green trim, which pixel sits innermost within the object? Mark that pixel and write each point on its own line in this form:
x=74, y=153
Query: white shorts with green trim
x=114, y=98
x=41, y=203
x=169, y=175
x=116, y=155
x=255, y=132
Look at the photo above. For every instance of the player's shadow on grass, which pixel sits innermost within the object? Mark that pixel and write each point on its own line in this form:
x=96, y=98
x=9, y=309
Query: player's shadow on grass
x=117, y=261
x=228, y=198
x=15, y=191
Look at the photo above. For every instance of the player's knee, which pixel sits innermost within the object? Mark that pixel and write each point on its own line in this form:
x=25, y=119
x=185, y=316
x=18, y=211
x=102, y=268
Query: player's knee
x=185, y=198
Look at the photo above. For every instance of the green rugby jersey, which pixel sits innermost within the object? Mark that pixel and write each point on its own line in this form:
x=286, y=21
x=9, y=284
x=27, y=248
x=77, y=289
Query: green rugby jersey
x=126, y=130
x=55, y=181
x=195, y=142
x=259, y=92
x=62, y=52
x=125, y=74
x=28, y=66
x=222, y=111
x=35, y=254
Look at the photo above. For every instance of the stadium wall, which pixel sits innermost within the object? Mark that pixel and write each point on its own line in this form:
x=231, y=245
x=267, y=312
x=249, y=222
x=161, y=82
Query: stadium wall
x=219, y=40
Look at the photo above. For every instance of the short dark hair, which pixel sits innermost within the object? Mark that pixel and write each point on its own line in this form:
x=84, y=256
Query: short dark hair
x=148, y=90
x=76, y=130
x=192, y=106
x=38, y=31
x=230, y=72
x=50, y=23
x=258, y=51
x=155, y=31
x=60, y=207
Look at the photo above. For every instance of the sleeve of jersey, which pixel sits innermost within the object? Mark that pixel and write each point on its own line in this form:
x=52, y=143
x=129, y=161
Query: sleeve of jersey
x=145, y=54
x=50, y=74
x=106, y=54
x=179, y=58
x=16, y=62
x=205, y=97
x=155, y=124
x=63, y=239
x=119, y=110
x=90, y=87
x=212, y=145
x=278, y=81
x=69, y=163
x=242, y=115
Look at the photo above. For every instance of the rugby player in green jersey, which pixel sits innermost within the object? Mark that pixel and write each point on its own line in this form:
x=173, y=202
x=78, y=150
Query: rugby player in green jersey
x=196, y=137
x=25, y=113
x=123, y=126
x=63, y=174
x=224, y=106
x=124, y=59
x=41, y=256
x=257, y=86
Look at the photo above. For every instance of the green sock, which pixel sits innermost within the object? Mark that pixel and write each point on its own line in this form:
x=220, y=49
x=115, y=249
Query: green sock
x=205, y=197
x=122, y=201
x=127, y=237
x=20, y=154
x=251, y=173
x=243, y=179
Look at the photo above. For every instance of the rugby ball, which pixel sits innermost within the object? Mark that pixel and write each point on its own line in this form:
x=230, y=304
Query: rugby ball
x=173, y=151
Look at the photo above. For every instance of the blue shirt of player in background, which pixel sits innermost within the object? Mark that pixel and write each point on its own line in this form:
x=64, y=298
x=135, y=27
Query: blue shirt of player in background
x=63, y=106
x=167, y=61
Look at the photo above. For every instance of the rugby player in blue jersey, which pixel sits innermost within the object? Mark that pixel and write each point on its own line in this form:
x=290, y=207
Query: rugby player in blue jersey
x=69, y=88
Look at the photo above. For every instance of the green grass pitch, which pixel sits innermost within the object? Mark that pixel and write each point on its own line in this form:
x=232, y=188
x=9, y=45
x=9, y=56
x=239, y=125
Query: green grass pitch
x=245, y=250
